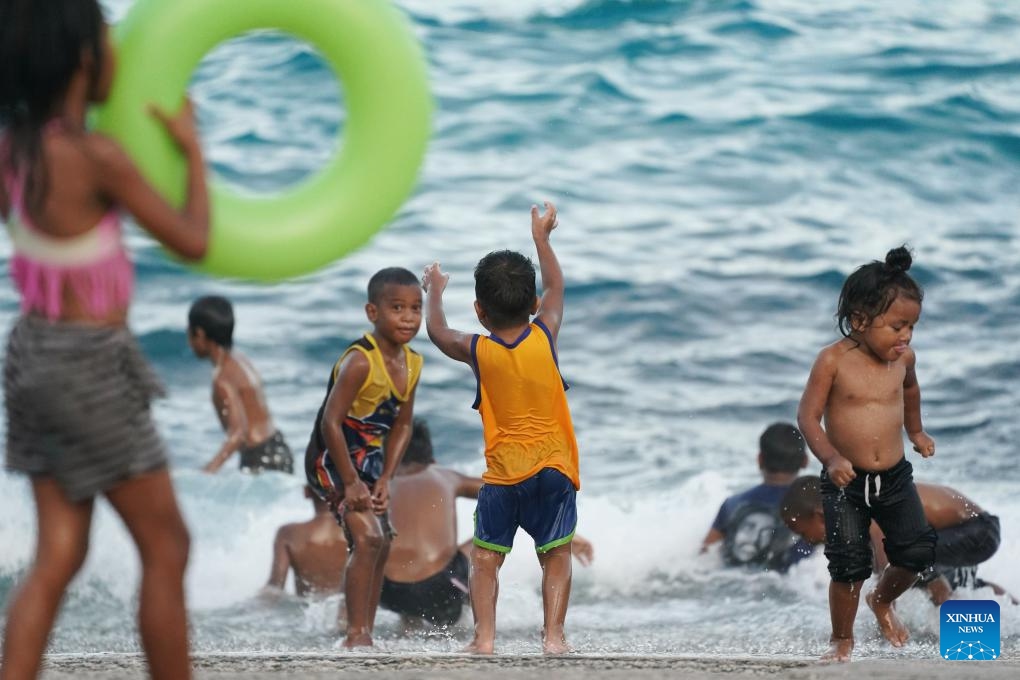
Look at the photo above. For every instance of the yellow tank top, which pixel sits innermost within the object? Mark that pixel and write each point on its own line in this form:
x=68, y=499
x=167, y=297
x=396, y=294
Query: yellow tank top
x=523, y=403
x=375, y=407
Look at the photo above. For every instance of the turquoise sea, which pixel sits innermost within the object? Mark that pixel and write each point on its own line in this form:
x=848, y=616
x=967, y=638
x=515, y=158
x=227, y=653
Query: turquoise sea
x=720, y=167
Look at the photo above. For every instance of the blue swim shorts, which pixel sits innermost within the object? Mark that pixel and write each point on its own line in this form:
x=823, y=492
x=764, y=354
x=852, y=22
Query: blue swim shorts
x=544, y=505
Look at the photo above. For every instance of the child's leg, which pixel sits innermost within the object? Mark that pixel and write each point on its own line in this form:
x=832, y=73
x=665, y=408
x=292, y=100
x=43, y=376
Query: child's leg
x=484, y=587
x=556, y=575
x=848, y=549
x=550, y=517
x=894, y=582
x=380, y=567
x=367, y=545
x=60, y=551
x=149, y=509
x=909, y=544
x=843, y=601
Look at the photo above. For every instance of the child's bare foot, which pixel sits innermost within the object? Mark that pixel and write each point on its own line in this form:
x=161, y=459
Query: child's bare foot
x=556, y=647
x=840, y=650
x=478, y=647
x=362, y=640
x=892, y=628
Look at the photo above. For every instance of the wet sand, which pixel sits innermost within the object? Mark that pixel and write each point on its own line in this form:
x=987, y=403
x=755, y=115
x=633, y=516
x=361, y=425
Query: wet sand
x=460, y=667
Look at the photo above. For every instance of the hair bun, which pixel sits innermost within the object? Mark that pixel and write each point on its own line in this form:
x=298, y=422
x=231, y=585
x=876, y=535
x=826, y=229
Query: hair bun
x=899, y=259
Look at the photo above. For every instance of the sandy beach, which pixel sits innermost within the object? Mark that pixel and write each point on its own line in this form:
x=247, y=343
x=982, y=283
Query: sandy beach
x=456, y=667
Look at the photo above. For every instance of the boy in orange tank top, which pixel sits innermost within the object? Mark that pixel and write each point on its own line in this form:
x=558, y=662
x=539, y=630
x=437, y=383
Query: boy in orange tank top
x=531, y=474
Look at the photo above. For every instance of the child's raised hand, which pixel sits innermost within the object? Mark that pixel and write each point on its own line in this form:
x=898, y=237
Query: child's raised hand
x=543, y=224
x=434, y=276
x=923, y=444
x=182, y=127
x=840, y=471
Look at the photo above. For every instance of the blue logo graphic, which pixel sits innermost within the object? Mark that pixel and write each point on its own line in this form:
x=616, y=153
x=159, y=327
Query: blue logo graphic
x=969, y=630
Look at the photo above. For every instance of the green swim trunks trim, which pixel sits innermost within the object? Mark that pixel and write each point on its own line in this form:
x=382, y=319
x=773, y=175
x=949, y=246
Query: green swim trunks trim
x=555, y=544
x=492, y=546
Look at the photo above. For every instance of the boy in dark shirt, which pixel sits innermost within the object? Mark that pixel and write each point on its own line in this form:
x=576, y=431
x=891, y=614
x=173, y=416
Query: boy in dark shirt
x=748, y=523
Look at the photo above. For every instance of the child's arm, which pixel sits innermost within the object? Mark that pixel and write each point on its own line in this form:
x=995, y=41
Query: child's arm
x=351, y=376
x=228, y=407
x=281, y=561
x=715, y=532
x=809, y=418
x=923, y=444
x=468, y=487
x=711, y=538
x=185, y=231
x=453, y=343
x=550, y=309
x=394, y=447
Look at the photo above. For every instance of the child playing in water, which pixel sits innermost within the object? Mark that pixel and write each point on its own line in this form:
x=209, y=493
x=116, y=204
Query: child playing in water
x=865, y=388
x=314, y=549
x=531, y=471
x=748, y=523
x=237, y=392
x=77, y=387
x=360, y=434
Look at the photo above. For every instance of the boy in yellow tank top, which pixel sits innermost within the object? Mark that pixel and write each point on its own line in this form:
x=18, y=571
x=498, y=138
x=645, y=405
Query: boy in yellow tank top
x=360, y=433
x=531, y=474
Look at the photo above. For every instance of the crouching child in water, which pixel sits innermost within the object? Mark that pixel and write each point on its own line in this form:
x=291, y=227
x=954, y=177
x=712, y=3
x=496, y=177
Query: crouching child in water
x=237, y=394
x=531, y=456
x=865, y=388
x=360, y=433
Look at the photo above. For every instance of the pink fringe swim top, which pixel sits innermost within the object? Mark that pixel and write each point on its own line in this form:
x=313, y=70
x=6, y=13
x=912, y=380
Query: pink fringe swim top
x=93, y=265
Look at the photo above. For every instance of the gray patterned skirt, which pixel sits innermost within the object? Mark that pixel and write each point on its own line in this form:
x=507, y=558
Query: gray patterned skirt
x=77, y=400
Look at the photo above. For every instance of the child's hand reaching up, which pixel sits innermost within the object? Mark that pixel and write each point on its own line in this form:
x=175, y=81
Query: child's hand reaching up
x=542, y=225
x=434, y=276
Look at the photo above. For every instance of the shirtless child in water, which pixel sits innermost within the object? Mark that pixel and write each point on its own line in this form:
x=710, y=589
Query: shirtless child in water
x=315, y=549
x=237, y=392
x=865, y=388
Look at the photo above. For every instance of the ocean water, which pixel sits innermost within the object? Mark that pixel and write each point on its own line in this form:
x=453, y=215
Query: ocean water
x=720, y=167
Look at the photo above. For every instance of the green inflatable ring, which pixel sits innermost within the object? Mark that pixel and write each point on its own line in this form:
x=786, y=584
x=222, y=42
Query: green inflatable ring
x=373, y=52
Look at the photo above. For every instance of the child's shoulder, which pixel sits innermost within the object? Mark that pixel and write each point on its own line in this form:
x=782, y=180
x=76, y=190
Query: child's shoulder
x=102, y=148
x=835, y=351
x=105, y=154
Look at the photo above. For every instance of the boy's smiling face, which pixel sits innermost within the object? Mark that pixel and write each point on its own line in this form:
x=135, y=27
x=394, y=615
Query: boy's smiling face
x=396, y=315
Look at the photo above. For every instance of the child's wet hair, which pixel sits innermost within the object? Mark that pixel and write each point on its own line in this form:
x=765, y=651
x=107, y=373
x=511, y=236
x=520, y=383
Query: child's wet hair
x=215, y=316
x=802, y=499
x=782, y=448
x=505, y=287
x=41, y=48
x=872, y=288
x=397, y=276
x=419, y=448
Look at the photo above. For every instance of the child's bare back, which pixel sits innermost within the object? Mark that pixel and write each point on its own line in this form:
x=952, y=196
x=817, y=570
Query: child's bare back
x=236, y=377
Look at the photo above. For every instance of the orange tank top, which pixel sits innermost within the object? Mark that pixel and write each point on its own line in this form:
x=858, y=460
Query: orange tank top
x=523, y=403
